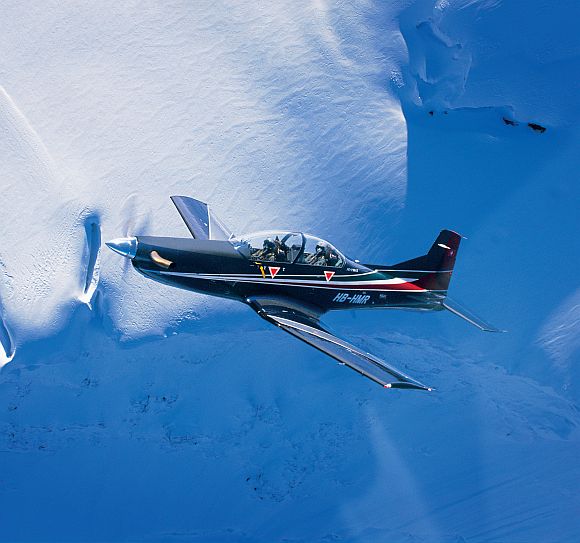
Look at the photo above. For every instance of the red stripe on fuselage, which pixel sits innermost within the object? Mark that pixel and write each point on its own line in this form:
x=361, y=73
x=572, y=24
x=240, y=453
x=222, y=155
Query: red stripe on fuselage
x=354, y=286
x=332, y=285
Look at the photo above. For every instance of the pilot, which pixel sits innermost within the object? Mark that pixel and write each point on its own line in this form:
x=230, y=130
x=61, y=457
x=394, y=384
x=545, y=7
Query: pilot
x=280, y=250
x=332, y=258
x=319, y=257
x=268, y=250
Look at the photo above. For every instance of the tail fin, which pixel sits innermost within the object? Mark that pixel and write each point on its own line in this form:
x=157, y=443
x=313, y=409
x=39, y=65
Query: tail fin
x=433, y=272
x=434, y=269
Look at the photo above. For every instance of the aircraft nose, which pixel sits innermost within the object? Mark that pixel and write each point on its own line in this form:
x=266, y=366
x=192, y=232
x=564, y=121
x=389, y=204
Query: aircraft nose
x=126, y=247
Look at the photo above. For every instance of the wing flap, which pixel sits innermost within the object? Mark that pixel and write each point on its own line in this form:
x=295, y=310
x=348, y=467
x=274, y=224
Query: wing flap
x=307, y=327
x=199, y=219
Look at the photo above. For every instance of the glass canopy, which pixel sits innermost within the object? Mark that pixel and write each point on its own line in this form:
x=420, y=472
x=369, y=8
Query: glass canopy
x=289, y=247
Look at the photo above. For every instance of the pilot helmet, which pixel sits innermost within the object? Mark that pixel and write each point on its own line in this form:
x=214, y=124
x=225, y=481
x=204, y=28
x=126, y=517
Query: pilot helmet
x=269, y=244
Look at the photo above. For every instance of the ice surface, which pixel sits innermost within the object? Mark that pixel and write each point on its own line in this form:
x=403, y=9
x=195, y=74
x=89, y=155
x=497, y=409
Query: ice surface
x=130, y=410
x=264, y=114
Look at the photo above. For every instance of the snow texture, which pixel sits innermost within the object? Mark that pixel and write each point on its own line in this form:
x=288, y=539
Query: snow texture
x=133, y=411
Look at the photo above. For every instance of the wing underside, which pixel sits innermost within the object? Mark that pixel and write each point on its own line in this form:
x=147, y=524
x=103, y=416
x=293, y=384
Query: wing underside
x=305, y=325
x=199, y=219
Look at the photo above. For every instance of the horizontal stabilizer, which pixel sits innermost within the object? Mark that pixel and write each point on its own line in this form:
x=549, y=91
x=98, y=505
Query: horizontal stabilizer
x=467, y=315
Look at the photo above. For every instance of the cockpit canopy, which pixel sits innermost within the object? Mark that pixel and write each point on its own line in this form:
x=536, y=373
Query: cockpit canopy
x=288, y=247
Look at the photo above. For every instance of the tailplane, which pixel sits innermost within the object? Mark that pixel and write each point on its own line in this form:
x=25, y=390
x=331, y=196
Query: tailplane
x=433, y=272
x=460, y=311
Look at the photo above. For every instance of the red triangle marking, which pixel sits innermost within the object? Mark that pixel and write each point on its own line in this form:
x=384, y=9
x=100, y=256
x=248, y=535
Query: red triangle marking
x=273, y=271
x=328, y=275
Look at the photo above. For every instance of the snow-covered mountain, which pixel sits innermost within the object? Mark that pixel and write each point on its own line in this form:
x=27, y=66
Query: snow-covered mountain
x=133, y=411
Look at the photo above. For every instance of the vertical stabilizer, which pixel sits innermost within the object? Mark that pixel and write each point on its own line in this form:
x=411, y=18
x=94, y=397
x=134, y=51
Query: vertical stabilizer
x=433, y=270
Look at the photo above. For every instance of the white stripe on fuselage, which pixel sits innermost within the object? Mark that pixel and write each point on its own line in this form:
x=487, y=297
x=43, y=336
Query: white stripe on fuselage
x=314, y=277
x=412, y=271
x=337, y=285
x=244, y=277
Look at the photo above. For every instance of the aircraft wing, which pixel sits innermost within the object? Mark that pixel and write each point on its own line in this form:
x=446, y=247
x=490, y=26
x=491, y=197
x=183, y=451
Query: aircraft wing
x=200, y=220
x=305, y=325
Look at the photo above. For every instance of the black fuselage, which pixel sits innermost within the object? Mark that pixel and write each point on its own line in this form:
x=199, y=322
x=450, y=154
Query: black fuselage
x=292, y=278
x=218, y=269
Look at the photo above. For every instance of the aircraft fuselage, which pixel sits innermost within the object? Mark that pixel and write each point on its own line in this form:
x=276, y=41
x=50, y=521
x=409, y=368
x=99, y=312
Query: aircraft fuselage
x=217, y=268
x=292, y=278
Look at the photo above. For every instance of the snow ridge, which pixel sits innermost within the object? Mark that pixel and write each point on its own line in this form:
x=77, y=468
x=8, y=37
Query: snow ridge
x=39, y=268
x=92, y=258
x=5, y=340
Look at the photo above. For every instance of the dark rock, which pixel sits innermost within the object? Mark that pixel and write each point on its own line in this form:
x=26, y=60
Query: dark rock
x=537, y=127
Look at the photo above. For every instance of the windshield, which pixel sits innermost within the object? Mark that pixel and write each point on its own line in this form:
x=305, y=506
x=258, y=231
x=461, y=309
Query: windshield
x=290, y=247
x=318, y=252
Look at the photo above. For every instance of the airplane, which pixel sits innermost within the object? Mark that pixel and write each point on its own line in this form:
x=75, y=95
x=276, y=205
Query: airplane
x=291, y=279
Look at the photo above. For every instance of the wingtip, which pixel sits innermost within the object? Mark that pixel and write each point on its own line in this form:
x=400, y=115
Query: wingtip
x=404, y=385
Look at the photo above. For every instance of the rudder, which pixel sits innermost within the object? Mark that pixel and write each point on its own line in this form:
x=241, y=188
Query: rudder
x=433, y=270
